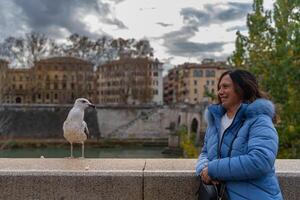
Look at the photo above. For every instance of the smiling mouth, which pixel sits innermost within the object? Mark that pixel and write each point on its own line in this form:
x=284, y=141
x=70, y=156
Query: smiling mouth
x=223, y=98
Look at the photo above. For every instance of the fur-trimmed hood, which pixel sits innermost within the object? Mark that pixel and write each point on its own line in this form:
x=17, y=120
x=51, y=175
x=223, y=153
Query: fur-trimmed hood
x=258, y=107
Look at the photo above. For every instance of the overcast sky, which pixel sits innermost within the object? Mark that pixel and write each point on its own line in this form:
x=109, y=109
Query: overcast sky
x=178, y=30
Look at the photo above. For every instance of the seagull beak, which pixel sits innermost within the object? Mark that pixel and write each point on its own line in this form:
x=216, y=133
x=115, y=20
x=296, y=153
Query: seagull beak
x=92, y=105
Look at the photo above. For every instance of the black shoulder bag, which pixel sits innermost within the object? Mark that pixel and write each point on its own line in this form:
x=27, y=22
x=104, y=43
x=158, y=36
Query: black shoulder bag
x=216, y=192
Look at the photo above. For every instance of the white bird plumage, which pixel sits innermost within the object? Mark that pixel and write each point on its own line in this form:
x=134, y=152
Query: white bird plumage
x=75, y=128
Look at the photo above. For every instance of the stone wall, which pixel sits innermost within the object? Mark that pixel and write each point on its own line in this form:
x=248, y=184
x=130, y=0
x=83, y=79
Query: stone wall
x=135, y=122
x=110, y=179
x=46, y=121
x=40, y=121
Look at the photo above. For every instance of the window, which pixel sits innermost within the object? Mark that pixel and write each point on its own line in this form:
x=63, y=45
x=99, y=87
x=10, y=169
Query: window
x=195, y=91
x=195, y=82
x=198, y=73
x=210, y=73
x=155, y=73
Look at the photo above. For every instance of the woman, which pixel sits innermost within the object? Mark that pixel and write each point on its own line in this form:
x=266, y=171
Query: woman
x=248, y=169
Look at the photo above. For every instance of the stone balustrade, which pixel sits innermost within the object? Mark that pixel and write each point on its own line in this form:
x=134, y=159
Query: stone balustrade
x=124, y=179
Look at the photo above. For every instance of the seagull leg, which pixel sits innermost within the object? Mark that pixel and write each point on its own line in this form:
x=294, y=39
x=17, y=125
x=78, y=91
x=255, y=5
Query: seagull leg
x=82, y=150
x=71, y=150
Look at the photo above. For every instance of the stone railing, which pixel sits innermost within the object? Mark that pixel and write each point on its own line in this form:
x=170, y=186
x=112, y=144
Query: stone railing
x=141, y=179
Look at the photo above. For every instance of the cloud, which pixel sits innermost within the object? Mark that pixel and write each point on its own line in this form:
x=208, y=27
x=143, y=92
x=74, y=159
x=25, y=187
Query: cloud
x=215, y=14
x=147, y=8
x=219, y=57
x=167, y=60
x=195, y=17
x=8, y=22
x=177, y=43
x=237, y=28
x=164, y=24
x=234, y=11
x=65, y=17
x=118, y=1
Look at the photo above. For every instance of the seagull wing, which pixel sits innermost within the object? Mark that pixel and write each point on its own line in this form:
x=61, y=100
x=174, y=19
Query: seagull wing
x=86, y=130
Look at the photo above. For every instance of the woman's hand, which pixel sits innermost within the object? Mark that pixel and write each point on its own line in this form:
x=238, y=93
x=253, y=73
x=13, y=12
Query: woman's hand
x=206, y=178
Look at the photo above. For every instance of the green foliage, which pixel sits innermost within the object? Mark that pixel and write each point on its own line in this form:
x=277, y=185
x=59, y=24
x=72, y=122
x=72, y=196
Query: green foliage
x=212, y=95
x=187, y=143
x=271, y=50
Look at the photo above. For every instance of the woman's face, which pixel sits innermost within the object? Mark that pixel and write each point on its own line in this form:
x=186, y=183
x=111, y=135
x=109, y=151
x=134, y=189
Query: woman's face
x=228, y=96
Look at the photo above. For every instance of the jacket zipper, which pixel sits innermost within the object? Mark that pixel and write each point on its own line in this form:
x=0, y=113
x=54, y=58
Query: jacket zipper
x=222, y=138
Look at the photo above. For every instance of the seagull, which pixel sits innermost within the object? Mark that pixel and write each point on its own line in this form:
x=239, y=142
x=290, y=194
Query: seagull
x=75, y=128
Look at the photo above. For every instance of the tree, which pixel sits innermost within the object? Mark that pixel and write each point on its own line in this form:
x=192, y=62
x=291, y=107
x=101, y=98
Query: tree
x=271, y=50
x=24, y=52
x=135, y=81
x=238, y=56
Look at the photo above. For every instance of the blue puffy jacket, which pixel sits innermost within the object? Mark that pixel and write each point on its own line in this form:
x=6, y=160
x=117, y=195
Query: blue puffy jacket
x=249, y=172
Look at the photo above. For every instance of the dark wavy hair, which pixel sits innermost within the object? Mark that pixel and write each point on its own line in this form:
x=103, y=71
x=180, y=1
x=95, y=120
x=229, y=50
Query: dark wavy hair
x=245, y=85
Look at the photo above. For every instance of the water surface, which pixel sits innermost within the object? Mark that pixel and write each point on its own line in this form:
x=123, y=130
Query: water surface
x=61, y=152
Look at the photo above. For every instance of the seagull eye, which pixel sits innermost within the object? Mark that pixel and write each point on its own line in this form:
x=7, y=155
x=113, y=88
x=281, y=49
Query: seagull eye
x=83, y=101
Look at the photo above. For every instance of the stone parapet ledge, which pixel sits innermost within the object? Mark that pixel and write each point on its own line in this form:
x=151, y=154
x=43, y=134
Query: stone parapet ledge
x=123, y=179
x=71, y=179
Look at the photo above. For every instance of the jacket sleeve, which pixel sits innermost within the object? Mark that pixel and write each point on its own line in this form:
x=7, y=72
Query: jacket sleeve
x=202, y=160
x=258, y=161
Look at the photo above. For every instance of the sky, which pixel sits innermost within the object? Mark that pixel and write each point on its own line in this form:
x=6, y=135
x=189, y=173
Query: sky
x=178, y=30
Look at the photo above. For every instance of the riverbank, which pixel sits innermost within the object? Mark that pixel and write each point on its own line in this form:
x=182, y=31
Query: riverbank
x=101, y=143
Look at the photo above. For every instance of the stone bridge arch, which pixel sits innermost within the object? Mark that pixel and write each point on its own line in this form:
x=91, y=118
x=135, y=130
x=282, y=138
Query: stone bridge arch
x=18, y=100
x=197, y=127
x=194, y=124
x=193, y=120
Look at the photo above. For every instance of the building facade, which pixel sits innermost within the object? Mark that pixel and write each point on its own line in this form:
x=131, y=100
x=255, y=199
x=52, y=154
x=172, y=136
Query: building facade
x=192, y=82
x=3, y=77
x=130, y=81
x=57, y=80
